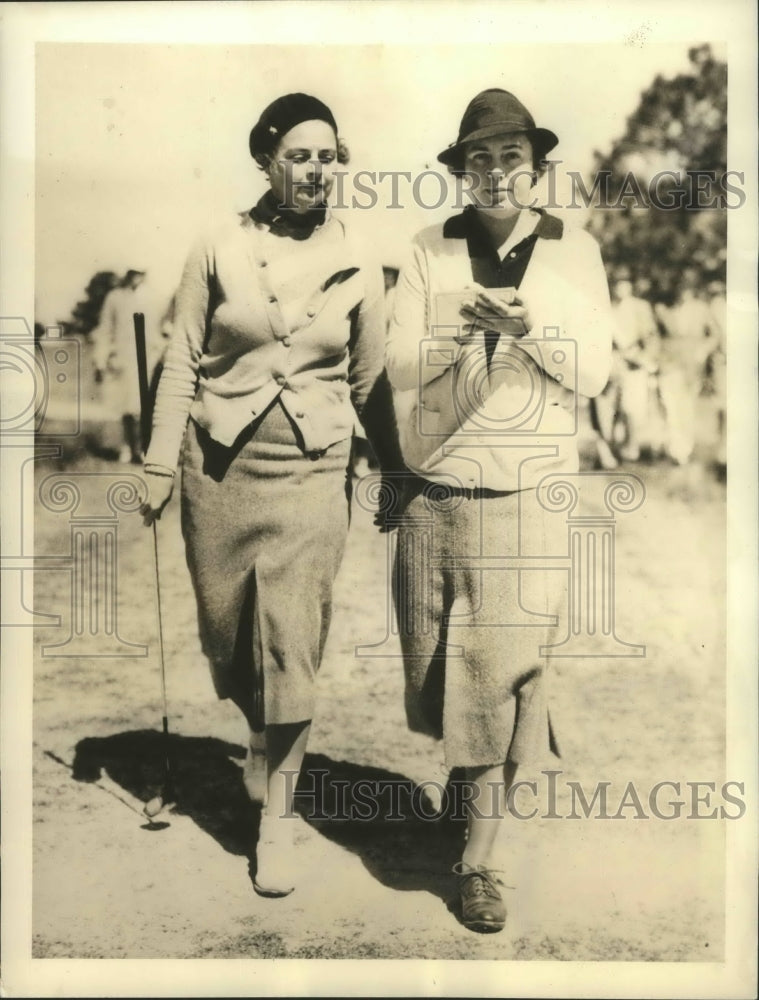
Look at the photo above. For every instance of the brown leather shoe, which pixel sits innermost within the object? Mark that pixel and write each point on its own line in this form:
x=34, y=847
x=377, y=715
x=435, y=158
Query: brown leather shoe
x=482, y=908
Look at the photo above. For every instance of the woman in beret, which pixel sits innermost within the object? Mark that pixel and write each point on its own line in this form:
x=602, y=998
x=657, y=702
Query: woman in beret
x=501, y=320
x=277, y=344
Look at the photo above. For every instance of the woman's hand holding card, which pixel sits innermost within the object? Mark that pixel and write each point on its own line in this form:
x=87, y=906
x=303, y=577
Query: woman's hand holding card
x=501, y=310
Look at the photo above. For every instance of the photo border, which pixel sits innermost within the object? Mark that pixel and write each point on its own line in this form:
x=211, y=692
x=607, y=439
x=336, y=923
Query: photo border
x=734, y=22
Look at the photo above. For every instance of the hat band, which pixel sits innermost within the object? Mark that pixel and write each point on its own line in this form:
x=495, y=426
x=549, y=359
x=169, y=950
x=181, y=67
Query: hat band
x=507, y=125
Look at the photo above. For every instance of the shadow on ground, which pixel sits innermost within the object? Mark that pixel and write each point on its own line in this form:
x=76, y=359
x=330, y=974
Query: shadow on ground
x=378, y=815
x=382, y=817
x=207, y=782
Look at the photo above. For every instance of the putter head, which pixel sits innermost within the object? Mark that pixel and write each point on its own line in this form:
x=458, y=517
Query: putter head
x=156, y=805
x=151, y=810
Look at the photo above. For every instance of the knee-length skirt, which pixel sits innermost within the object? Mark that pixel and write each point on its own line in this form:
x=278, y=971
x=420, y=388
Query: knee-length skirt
x=474, y=622
x=265, y=527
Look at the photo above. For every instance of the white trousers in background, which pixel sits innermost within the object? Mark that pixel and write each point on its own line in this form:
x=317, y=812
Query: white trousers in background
x=678, y=398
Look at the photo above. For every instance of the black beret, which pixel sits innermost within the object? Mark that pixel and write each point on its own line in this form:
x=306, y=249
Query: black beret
x=282, y=115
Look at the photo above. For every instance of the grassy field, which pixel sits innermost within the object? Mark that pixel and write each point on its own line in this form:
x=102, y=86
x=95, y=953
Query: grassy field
x=109, y=885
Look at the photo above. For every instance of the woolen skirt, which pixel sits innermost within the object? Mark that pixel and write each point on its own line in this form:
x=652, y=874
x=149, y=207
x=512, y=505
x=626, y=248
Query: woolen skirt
x=264, y=527
x=472, y=624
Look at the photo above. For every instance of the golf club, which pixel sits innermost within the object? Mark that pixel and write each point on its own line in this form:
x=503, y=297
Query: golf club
x=166, y=796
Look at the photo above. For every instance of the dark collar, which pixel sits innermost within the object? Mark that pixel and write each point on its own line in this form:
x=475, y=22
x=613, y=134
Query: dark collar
x=487, y=267
x=458, y=227
x=282, y=222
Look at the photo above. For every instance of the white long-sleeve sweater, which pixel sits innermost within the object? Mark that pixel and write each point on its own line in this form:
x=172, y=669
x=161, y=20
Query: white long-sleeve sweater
x=505, y=425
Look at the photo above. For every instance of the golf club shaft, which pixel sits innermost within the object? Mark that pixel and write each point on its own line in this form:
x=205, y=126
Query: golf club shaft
x=142, y=378
x=145, y=420
x=160, y=630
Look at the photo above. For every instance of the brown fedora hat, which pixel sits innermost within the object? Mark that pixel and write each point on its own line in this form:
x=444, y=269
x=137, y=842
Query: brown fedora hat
x=492, y=112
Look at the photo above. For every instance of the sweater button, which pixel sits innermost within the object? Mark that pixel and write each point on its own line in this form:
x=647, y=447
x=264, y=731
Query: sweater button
x=272, y=298
x=512, y=254
x=280, y=380
x=300, y=415
x=310, y=313
x=262, y=263
x=286, y=341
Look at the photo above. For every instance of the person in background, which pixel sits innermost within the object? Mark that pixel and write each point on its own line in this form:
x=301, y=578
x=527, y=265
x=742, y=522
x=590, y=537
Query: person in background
x=512, y=273
x=655, y=438
x=626, y=399
x=604, y=415
x=688, y=340
x=637, y=341
x=277, y=345
x=718, y=367
x=115, y=363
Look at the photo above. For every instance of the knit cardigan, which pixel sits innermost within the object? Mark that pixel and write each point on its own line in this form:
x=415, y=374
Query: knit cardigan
x=261, y=313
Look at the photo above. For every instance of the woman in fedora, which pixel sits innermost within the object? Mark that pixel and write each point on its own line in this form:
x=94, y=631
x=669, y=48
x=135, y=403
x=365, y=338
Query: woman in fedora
x=501, y=319
x=277, y=343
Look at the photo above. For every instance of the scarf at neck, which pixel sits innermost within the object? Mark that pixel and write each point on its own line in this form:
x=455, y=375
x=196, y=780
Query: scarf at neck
x=285, y=222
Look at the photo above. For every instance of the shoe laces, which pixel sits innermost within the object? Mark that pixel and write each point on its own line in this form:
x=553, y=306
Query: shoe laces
x=484, y=881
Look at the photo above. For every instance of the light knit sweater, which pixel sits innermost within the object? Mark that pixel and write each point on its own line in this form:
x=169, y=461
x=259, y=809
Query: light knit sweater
x=506, y=424
x=262, y=313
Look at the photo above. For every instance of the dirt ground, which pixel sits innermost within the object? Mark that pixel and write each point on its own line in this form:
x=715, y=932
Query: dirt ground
x=107, y=884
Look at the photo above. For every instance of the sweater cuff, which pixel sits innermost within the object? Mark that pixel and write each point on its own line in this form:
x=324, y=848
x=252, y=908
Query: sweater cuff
x=159, y=470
